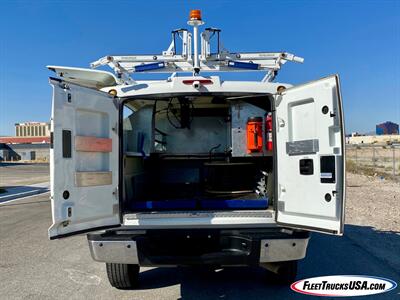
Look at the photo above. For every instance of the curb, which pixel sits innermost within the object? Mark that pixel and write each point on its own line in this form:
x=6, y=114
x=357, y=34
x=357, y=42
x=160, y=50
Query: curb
x=23, y=194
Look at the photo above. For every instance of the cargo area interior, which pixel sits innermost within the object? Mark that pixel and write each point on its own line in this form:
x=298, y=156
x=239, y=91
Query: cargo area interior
x=197, y=153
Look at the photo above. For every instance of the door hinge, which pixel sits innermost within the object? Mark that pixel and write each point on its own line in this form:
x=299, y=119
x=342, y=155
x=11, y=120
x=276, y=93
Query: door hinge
x=115, y=128
x=115, y=209
x=278, y=99
x=64, y=86
x=115, y=192
x=115, y=101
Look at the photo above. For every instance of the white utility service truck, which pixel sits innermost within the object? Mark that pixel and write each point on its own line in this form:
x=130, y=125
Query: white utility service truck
x=193, y=169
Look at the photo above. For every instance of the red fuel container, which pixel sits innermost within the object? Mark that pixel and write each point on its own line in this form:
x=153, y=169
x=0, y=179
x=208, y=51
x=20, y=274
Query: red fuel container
x=254, y=134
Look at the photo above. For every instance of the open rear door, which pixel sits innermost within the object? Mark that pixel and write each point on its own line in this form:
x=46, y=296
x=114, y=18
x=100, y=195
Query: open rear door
x=85, y=77
x=83, y=160
x=310, y=157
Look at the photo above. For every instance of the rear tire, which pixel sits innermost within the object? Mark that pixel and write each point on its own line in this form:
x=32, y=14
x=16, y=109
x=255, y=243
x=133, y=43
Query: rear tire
x=123, y=276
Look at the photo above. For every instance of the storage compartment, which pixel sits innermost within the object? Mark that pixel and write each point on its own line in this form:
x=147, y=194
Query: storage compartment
x=183, y=153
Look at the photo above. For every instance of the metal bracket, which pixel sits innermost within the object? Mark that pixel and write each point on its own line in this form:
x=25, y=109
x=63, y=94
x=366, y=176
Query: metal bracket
x=302, y=147
x=270, y=76
x=171, y=62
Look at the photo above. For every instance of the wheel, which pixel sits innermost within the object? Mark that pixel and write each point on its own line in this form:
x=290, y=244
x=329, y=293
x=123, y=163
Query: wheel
x=285, y=272
x=123, y=276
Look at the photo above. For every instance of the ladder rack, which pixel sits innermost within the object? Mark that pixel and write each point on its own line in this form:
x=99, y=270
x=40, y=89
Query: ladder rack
x=221, y=61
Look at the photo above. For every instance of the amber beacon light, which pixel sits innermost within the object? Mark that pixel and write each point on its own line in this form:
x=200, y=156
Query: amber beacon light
x=195, y=21
x=195, y=14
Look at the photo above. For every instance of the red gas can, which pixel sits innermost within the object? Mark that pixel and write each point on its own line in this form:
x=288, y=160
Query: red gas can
x=254, y=134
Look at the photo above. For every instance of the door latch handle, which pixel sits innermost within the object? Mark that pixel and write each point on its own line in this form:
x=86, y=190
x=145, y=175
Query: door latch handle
x=306, y=166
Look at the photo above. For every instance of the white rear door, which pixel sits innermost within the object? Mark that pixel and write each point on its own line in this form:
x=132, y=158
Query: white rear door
x=310, y=157
x=83, y=160
x=85, y=77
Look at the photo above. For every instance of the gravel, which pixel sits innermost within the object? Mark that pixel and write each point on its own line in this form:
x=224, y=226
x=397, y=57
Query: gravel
x=373, y=216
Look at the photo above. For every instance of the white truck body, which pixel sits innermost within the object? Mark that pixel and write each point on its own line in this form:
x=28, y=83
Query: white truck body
x=88, y=154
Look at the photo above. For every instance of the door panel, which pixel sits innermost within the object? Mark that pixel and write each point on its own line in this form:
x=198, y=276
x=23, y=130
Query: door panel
x=310, y=157
x=85, y=77
x=83, y=160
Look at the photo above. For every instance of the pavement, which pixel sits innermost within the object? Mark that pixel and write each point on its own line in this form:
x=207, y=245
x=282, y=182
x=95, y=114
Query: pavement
x=24, y=191
x=23, y=179
x=22, y=174
x=32, y=267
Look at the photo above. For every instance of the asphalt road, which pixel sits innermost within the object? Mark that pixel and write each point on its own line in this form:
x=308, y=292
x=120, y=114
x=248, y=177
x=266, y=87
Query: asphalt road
x=23, y=174
x=32, y=267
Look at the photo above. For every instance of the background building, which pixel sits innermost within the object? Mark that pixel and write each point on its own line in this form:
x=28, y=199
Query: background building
x=387, y=128
x=25, y=140
x=32, y=129
x=24, y=152
x=31, y=143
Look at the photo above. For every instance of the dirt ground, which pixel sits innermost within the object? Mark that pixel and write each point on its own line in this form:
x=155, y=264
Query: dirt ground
x=373, y=216
x=374, y=160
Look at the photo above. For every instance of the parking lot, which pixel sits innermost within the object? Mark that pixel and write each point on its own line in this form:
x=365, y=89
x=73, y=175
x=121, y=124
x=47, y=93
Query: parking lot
x=32, y=267
x=23, y=174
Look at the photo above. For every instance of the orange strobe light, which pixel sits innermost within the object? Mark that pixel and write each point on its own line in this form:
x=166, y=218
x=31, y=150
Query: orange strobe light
x=195, y=14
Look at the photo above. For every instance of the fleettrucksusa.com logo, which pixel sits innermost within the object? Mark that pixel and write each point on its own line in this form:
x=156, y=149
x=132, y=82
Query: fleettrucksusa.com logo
x=343, y=285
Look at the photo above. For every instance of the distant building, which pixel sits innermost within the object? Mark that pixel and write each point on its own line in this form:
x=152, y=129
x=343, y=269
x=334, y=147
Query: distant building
x=32, y=142
x=387, y=128
x=356, y=134
x=25, y=140
x=29, y=129
x=24, y=152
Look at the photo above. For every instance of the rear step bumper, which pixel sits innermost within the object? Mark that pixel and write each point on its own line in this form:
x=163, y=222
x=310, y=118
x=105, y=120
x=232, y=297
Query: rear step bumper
x=198, y=247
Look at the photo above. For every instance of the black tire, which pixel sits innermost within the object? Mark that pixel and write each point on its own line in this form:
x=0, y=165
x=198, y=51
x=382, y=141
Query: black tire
x=123, y=276
x=286, y=272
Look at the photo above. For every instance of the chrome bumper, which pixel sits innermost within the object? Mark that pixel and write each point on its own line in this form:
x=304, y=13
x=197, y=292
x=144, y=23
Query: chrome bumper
x=125, y=251
x=274, y=250
x=122, y=252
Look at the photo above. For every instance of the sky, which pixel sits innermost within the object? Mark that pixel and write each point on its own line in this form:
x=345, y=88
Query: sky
x=359, y=40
